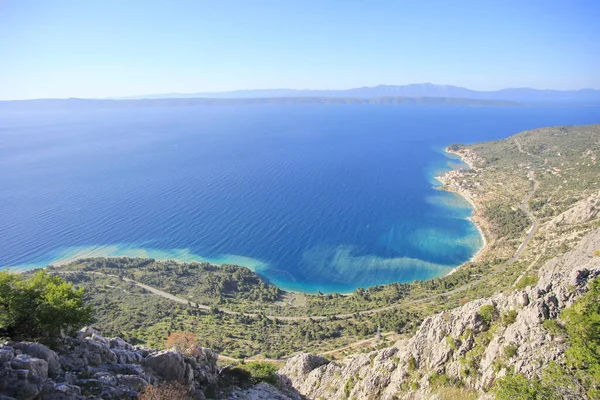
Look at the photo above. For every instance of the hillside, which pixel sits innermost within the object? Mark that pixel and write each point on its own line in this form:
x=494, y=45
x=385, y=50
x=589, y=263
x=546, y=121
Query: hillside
x=235, y=312
x=463, y=352
x=537, y=199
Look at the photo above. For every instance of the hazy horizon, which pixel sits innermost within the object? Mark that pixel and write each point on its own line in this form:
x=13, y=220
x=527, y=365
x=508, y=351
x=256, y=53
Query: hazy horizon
x=106, y=49
x=141, y=95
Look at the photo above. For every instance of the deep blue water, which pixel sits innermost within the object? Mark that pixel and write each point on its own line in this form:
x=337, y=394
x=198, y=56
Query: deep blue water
x=313, y=197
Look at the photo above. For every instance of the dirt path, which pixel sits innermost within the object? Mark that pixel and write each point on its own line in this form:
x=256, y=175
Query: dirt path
x=527, y=269
x=524, y=206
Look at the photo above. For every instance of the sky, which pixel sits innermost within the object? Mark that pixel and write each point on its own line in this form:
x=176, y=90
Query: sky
x=110, y=48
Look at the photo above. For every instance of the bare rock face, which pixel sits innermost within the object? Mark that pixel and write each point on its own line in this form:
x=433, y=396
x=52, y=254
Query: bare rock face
x=42, y=352
x=262, y=391
x=458, y=343
x=169, y=365
x=582, y=211
x=90, y=366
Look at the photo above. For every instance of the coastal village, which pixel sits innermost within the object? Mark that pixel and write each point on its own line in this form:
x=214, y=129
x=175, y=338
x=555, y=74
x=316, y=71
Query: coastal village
x=458, y=180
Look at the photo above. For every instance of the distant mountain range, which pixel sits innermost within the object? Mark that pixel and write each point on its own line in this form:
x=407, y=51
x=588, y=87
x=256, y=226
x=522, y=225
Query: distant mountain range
x=520, y=95
x=425, y=94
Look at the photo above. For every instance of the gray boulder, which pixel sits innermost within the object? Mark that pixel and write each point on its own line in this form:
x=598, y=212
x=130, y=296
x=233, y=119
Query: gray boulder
x=40, y=351
x=169, y=365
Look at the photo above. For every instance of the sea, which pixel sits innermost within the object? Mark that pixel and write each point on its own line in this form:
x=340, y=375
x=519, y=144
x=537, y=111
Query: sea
x=313, y=198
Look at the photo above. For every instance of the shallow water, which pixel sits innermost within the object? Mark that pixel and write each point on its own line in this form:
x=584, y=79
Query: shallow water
x=313, y=197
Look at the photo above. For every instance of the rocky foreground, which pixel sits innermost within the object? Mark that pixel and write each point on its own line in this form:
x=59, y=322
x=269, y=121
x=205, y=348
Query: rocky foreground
x=90, y=366
x=460, y=345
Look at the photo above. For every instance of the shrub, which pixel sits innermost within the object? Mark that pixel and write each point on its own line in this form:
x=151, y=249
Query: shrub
x=39, y=306
x=510, y=351
x=260, y=371
x=509, y=317
x=349, y=386
x=518, y=387
x=596, y=253
x=184, y=342
x=582, y=323
x=528, y=280
x=452, y=343
x=437, y=380
x=488, y=314
x=553, y=327
x=165, y=391
x=412, y=364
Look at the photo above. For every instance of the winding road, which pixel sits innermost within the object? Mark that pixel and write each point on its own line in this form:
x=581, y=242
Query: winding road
x=524, y=206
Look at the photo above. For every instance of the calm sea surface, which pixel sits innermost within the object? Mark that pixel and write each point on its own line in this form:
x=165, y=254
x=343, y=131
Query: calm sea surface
x=312, y=197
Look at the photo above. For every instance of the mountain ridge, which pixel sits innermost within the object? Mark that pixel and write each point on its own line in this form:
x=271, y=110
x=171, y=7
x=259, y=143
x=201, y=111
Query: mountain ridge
x=412, y=90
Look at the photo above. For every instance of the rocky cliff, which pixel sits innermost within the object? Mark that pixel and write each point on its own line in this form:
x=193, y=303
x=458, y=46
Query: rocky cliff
x=90, y=366
x=469, y=346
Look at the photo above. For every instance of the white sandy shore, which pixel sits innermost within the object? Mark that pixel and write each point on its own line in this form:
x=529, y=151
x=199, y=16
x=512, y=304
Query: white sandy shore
x=475, y=208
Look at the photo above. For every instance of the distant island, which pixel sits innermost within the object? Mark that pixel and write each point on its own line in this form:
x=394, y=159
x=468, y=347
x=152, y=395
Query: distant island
x=417, y=90
x=424, y=94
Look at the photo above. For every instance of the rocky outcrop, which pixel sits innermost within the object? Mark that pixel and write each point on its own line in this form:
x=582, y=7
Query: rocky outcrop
x=90, y=366
x=460, y=345
x=582, y=211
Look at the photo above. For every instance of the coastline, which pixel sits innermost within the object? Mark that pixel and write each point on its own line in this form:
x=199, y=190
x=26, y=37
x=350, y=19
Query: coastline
x=184, y=255
x=475, y=218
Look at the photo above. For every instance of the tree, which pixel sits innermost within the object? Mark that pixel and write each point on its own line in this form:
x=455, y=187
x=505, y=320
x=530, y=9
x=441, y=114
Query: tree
x=488, y=314
x=582, y=323
x=184, y=342
x=261, y=371
x=39, y=306
x=518, y=387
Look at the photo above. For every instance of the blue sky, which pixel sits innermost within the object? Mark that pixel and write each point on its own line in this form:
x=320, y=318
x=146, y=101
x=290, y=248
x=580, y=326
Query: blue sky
x=128, y=47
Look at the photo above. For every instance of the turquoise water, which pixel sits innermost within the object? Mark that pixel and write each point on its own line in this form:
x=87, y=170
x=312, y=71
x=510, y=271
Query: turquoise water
x=312, y=197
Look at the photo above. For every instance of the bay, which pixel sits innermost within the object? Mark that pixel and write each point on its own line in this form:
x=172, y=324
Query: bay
x=312, y=197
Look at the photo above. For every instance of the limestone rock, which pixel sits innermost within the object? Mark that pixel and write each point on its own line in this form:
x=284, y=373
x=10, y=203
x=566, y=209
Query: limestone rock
x=169, y=365
x=90, y=367
x=40, y=351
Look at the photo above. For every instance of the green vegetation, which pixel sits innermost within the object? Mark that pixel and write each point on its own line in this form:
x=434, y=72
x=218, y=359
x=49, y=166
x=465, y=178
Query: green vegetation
x=452, y=343
x=553, y=327
x=580, y=376
x=510, y=351
x=509, y=317
x=40, y=306
x=582, y=323
x=124, y=309
x=488, y=314
x=518, y=387
x=506, y=221
x=528, y=280
x=349, y=385
x=231, y=285
x=259, y=371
